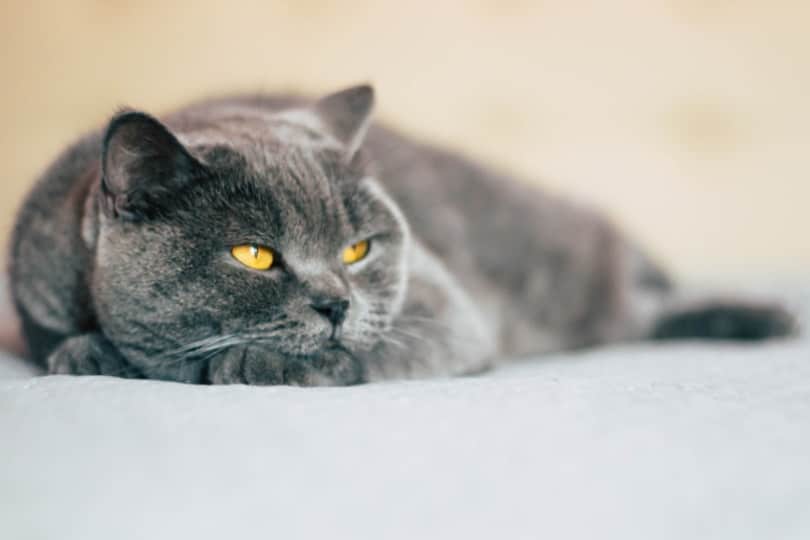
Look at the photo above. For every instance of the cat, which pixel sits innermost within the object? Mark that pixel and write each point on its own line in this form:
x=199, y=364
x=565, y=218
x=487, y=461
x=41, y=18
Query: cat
x=275, y=240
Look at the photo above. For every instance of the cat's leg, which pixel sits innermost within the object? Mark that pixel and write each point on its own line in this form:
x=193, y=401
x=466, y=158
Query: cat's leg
x=89, y=354
x=257, y=366
x=440, y=330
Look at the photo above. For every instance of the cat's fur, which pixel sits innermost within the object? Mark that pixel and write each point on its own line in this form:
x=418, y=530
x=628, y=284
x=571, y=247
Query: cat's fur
x=120, y=259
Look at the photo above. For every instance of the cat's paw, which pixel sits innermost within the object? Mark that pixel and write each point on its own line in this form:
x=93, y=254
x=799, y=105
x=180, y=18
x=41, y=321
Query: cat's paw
x=331, y=367
x=247, y=365
x=258, y=366
x=89, y=354
x=70, y=360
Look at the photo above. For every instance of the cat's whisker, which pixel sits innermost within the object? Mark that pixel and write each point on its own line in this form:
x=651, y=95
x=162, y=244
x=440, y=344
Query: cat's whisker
x=214, y=344
x=390, y=340
x=445, y=335
x=198, y=351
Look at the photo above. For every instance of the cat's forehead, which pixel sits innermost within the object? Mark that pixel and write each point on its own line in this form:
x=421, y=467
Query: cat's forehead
x=287, y=193
x=279, y=175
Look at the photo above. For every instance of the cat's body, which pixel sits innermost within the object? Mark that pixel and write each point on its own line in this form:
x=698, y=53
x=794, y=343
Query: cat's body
x=120, y=263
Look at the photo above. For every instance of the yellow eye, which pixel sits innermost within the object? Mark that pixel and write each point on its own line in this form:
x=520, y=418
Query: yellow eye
x=356, y=252
x=252, y=256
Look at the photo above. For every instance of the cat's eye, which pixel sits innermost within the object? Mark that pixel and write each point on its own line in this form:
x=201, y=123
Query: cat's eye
x=253, y=256
x=356, y=252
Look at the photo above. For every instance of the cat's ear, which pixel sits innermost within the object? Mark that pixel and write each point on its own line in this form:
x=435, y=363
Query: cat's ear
x=347, y=114
x=143, y=164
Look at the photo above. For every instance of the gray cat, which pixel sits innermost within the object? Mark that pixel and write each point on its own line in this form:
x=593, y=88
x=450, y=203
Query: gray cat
x=270, y=240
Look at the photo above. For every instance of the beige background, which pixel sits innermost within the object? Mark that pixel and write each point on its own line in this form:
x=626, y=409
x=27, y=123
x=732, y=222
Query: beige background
x=688, y=120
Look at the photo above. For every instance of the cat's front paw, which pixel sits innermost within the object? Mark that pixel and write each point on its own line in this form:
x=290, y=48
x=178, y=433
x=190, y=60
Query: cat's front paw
x=258, y=366
x=331, y=367
x=71, y=360
x=89, y=354
x=247, y=365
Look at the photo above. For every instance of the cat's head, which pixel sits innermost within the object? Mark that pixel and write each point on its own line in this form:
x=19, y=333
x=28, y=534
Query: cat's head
x=233, y=224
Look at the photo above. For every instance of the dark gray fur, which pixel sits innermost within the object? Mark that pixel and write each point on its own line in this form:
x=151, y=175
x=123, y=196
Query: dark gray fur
x=120, y=259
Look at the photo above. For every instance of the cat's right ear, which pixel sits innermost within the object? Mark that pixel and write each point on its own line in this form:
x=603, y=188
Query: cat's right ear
x=143, y=164
x=346, y=115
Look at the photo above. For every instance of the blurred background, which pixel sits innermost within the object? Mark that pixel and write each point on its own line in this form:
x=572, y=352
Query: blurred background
x=687, y=120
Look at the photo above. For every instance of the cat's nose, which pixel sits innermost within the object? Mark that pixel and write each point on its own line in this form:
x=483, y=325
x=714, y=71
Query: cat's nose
x=333, y=309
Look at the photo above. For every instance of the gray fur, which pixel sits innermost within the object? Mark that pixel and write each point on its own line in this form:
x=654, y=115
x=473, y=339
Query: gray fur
x=120, y=258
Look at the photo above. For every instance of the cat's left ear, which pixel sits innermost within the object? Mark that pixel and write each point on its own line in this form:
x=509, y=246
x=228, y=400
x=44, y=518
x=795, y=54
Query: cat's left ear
x=346, y=115
x=143, y=165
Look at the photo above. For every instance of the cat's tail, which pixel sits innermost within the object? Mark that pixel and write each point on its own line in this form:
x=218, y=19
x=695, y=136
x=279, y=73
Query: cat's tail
x=725, y=320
